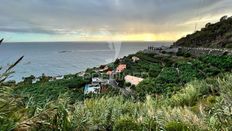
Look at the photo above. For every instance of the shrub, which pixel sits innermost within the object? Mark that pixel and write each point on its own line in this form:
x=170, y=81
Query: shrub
x=184, y=54
x=168, y=75
x=76, y=83
x=147, y=86
x=154, y=70
x=121, y=83
x=28, y=80
x=127, y=84
x=187, y=96
x=222, y=62
x=187, y=72
x=176, y=126
x=126, y=123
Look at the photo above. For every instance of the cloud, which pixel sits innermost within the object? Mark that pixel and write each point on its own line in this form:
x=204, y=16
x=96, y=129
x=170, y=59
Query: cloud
x=110, y=16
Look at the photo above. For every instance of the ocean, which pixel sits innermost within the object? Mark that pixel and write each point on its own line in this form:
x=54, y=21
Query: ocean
x=60, y=58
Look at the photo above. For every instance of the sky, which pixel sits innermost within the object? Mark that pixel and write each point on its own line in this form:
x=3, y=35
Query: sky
x=106, y=20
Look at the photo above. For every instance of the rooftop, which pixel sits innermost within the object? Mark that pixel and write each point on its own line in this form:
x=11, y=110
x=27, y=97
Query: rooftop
x=133, y=80
x=121, y=68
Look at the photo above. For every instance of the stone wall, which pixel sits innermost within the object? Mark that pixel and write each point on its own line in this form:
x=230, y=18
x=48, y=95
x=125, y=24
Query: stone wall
x=193, y=51
x=205, y=51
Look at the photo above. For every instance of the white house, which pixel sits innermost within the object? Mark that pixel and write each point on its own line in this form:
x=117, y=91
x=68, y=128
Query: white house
x=96, y=80
x=134, y=59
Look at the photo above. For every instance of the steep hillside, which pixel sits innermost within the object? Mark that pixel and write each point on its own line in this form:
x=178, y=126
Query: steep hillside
x=218, y=35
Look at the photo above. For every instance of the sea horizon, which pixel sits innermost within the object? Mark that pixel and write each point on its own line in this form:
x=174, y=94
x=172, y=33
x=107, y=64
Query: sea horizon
x=86, y=41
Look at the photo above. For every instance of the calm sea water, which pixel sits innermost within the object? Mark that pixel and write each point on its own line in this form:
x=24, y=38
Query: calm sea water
x=62, y=58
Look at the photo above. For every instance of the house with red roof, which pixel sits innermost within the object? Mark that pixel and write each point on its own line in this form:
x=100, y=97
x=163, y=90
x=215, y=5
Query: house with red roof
x=120, y=68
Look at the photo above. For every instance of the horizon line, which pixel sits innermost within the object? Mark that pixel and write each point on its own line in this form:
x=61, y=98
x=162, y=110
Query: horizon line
x=77, y=41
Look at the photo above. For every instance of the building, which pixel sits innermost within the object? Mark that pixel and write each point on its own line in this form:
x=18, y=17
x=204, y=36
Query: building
x=109, y=73
x=135, y=59
x=97, y=86
x=120, y=68
x=96, y=80
x=92, y=88
x=59, y=77
x=133, y=80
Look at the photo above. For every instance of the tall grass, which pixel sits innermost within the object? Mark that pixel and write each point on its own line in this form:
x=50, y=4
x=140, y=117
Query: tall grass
x=11, y=107
x=120, y=113
x=116, y=113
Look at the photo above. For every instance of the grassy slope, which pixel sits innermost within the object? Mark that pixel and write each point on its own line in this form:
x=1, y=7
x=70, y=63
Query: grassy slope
x=194, y=107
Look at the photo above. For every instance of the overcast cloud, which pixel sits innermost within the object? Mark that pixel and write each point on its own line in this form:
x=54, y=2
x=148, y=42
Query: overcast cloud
x=96, y=17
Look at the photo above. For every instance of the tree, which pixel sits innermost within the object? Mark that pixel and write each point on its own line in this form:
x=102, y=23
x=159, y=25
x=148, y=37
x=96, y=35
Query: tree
x=117, y=61
x=29, y=80
x=223, y=18
x=44, y=78
x=147, y=86
x=127, y=84
x=207, y=25
x=154, y=70
x=168, y=75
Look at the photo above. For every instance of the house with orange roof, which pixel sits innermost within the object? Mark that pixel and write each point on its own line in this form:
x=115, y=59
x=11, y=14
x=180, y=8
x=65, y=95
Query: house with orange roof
x=120, y=68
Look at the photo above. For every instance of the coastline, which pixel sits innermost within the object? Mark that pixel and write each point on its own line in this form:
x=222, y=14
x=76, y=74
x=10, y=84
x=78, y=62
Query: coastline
x=76, y=58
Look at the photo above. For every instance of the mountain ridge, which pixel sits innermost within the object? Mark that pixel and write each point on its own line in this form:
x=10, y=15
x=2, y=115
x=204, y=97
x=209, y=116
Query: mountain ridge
x=217, y=35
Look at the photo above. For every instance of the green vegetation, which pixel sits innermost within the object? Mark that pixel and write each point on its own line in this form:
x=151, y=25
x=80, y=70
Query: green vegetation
x=221, y=62
x=216, y=35
x=42, y=92
x=185, y=110
x=167, y=74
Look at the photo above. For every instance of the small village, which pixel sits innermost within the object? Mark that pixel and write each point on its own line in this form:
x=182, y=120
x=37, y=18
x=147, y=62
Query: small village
x=99, y=84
